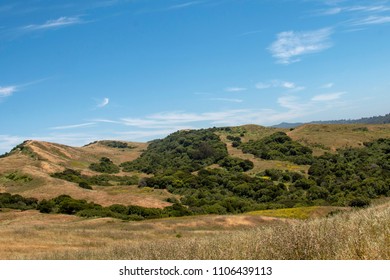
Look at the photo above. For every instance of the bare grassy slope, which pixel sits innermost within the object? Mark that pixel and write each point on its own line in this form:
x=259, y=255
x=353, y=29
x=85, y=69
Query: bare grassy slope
x=47, y=158
x=319, y=137
x=326, y=137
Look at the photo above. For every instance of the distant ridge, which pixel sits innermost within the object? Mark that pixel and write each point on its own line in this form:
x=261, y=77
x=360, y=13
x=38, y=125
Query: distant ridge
x=370, y=120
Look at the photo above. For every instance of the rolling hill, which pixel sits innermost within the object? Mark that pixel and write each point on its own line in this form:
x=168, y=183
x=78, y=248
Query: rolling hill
x=249, y=171
x=28, y=169
x=369, y=120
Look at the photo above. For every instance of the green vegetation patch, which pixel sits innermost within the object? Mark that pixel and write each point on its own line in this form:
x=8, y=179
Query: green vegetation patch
x=301, y=213
x=100, y=180
x=16, y=201
x=188, y=150
x=64, y=204
x=16, y=177
x=21, y=148
x=105, y=165
x=236, y=164
x=354, y=176
x=116, y=144
x=279, y=146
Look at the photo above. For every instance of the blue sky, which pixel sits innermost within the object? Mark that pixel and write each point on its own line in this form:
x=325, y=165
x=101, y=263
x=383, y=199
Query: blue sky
x=77, y=71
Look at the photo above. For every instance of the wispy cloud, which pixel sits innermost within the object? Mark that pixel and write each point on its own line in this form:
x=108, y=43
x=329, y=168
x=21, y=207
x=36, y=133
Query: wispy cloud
x=279, y=84
x=354, y=9
x=10, y=90
x=7, y=91
x=227, y=100
x=235, y=89
x=291, y=45
x=104, y=102
x=7, y=142
x=328, y=97
x=51, y=24
x=72, y=126
x=371, y=20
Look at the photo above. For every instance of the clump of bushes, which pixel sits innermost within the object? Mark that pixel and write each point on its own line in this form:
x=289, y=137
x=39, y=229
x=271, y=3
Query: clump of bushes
x=105, y=166
x=116, y=144
x=16, y=201
x=64, y=204
x=99, y=180
x=188, y=150
x=279, y=146
x=236, y=164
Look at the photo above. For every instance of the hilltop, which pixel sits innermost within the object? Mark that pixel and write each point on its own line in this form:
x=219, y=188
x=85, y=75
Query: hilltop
x=369, y=120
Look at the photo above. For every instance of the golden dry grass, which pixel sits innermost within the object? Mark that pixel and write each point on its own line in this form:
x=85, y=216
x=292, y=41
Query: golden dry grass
x=358, y=234
x=31, y=235
x=322, y=137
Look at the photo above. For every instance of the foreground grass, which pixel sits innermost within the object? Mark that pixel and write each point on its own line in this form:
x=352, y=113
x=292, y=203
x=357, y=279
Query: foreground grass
x=363, y=234
x=301, y=213
x=360, y=234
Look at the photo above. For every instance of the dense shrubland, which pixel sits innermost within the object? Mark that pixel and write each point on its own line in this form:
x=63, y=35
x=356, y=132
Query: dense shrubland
x=350, y=177
x=180, y=163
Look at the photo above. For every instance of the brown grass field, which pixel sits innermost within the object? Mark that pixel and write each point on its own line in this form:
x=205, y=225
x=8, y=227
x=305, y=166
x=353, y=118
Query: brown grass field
x=357, y=234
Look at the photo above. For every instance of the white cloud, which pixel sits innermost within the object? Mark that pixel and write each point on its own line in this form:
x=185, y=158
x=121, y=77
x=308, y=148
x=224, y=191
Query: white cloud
x=235, y=89
x=7, y=91
x=328, y=96
x=262, y=85
x=280, y=84
x=60, y=22
x=290, y=45
x=72, y=126
x=104, y=102
x=288, y=85
x=328, y=85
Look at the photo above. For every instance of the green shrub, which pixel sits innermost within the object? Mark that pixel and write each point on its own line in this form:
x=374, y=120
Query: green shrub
x=279, y=146
x=104, y=166
x=359, y=202
x=85, y=185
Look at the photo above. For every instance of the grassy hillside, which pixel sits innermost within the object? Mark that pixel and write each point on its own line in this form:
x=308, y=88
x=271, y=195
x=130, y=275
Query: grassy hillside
x=37, y=161
x=324, y=137
x=222, y=151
